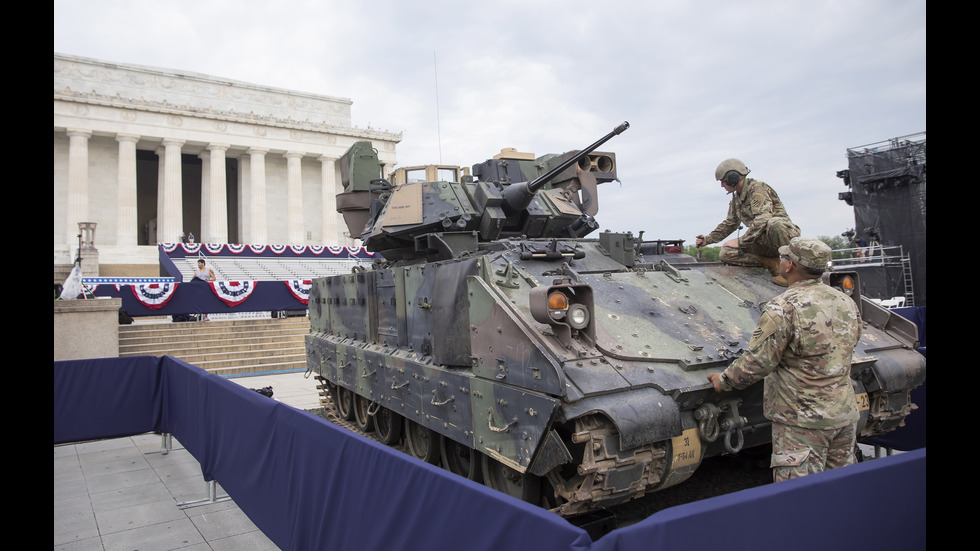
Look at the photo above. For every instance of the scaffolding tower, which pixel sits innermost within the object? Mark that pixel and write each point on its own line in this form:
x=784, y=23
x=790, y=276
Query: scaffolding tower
x=887, y=188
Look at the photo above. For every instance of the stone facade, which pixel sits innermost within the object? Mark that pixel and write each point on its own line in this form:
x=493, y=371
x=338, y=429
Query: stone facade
x=153, y=154
x=86, y=328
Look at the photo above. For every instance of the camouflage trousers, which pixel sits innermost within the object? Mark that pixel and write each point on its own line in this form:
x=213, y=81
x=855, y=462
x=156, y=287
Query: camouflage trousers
x=779, y=231
x=797, y=451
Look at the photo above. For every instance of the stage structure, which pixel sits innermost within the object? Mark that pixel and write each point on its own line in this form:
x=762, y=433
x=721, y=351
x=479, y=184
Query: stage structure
x=887, y=187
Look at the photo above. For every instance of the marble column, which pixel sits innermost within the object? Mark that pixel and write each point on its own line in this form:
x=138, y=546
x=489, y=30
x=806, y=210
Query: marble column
x=77, y=198
x=244, y=204
x=330, y=234
x=205, y=157
x=214, y=227
x=294, y=198
x=127, y=224
x=258, y=232
x=170, y=224
x=161, y=171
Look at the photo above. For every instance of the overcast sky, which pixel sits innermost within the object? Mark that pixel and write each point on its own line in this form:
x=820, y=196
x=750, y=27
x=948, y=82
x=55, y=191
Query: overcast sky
x=786, y=86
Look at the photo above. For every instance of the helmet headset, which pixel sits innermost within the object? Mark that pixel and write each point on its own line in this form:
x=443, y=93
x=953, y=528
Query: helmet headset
x=731, y=171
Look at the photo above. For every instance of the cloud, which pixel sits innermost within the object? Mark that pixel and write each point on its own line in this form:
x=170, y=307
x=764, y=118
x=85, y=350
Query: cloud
x=786, y=86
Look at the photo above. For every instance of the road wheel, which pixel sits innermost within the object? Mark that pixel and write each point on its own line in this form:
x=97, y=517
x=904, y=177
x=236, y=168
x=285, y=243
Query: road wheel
x=500, y=477
x=461, y=459
x=345, y=403
x=362, y=417
x=423, y=443
x=388, y=426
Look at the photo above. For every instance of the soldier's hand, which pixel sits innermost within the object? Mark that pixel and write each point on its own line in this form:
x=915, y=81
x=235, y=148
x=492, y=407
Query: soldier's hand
x=715, y=379
x=699, y=241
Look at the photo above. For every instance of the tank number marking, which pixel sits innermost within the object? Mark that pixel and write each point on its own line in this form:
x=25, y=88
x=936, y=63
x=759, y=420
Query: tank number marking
x=687, y=448
x=864, y=403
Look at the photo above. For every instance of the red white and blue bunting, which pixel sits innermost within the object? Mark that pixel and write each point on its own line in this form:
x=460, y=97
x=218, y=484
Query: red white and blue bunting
x=180, y=250
x=233, y=293
x=300, y=288
x=154, y=295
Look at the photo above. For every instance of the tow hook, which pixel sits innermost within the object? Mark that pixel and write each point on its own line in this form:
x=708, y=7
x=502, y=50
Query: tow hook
x=707, y=416
x=713, y=419
x=733, y=423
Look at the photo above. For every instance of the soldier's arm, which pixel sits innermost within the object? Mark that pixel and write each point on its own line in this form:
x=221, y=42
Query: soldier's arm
x=769, y=340
x=724, y=229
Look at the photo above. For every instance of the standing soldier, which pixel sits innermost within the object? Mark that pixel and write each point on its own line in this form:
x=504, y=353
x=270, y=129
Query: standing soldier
x=756, y=205
x=802, y=347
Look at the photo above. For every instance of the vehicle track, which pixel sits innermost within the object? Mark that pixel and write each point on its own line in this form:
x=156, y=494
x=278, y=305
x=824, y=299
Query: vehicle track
x=716, y=476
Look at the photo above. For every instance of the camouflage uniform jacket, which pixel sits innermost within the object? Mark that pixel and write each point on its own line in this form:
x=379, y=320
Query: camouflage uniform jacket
x=754, y=206
x=802, y=346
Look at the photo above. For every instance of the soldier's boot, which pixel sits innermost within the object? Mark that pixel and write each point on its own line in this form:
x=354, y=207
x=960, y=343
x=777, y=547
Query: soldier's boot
x=771, y=263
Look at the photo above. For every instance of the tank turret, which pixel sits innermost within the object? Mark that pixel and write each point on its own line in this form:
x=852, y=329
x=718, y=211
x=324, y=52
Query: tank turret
x=359, y=168
x=552, y=196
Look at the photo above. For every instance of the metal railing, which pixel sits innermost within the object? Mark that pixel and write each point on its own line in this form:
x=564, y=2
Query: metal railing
x=872, y=255
x=878, y=255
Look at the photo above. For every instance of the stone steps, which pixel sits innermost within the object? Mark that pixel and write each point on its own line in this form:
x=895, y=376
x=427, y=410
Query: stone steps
x=226, y=347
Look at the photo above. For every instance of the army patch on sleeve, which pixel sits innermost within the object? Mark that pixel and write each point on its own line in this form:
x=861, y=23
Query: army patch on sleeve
x=767, y=326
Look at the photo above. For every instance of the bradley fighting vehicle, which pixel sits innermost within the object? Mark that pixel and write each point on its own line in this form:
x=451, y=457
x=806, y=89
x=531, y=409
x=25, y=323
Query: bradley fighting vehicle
x=494, y=339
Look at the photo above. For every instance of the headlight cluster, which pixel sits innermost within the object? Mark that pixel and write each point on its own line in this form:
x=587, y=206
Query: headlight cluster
x=576, y=315
x=846, y=282
x=563, y=305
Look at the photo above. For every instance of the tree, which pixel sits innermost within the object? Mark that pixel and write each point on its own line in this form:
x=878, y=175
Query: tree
x=708, y=254
x=838, y=242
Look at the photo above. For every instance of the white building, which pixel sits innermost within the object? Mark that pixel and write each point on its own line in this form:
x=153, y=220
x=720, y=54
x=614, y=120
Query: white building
x=150, y=155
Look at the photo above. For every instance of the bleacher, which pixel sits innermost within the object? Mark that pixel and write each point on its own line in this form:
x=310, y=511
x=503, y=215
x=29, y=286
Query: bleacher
x=238, y=271
x=267, y=269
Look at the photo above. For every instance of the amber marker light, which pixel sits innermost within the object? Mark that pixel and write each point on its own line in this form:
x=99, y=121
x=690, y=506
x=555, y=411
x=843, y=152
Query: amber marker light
x=557, y=301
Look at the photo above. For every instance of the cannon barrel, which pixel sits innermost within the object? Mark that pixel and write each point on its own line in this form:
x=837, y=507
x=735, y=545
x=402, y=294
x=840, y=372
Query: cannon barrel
x=518, y=196
x=546, y=177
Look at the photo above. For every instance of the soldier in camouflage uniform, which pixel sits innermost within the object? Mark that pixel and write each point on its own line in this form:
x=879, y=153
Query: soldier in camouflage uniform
x=756, y=205
x=802, y=346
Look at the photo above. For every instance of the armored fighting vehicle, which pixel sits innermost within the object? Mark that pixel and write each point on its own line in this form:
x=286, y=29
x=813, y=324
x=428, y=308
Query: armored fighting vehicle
x=494, y=338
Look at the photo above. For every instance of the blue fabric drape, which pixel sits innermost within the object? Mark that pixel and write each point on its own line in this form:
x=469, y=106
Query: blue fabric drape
x=106, y=398
x=308, y=484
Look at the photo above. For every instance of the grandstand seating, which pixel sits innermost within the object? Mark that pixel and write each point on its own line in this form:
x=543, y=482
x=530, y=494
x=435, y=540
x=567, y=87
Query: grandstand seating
x=267, y=269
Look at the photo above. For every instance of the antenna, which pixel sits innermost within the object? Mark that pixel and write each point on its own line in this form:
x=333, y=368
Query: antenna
x=435, y=71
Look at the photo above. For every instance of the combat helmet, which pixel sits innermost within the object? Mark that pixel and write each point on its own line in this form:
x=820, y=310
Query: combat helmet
x=731, y=165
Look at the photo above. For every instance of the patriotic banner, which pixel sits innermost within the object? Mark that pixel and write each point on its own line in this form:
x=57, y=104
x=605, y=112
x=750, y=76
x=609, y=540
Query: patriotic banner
x=154, y=295
x=233, y=293
x=181, y=250
x=300, y=288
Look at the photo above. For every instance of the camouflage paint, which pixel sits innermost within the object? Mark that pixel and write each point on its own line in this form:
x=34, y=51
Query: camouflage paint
x=444, y=333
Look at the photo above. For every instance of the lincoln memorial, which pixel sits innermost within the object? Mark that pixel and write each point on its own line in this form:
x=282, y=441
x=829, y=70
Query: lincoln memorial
x=146, y=155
